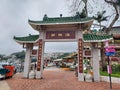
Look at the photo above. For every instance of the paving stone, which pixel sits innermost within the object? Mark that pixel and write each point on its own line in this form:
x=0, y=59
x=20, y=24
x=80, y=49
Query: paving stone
x=57, y=80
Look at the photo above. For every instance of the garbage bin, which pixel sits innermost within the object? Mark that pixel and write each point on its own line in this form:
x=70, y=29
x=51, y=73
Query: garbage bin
x=11, y=68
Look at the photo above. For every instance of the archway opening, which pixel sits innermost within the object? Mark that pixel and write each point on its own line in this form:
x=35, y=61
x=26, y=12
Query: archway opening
x=60, y=55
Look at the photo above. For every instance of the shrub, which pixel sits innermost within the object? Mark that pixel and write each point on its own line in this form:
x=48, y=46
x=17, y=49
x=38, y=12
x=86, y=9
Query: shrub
x=116, y=68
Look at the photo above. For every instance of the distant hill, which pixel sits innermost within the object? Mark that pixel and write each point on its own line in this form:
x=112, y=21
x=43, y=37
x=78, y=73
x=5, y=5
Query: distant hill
x=19, y=55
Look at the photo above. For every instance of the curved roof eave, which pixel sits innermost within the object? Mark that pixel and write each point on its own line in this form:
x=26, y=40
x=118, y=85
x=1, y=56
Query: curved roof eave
x=34, y=23
x=22, y=42
x=97, y=40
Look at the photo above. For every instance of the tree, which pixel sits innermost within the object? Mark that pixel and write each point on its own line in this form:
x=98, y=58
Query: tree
x=116, y=6
x=3, y=57
x=100, y=18
x=100, y=15
x=19, y=55
x=95, y=5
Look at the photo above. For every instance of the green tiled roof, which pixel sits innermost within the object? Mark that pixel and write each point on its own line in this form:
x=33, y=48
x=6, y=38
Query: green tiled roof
x=29, y=39
x=60, y=20
x=86, y=38
x=115, y=30
x=96, y=38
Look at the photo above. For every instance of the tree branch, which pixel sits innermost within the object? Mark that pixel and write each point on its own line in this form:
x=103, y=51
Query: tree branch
x=114, y=4
x=116, y=17
x=110, y=2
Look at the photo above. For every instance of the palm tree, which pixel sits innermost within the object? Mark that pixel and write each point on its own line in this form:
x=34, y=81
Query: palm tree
x=100, y=18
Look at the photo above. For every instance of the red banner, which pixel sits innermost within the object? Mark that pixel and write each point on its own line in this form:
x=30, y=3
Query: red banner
x=80, y=55
x=39, y=55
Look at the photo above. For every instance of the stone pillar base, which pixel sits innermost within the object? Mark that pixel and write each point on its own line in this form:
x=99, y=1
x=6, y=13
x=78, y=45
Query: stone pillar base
x=80, y=76
x=38, y=75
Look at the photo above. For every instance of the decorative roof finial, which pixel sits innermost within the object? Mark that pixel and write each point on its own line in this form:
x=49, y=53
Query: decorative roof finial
x=60, y=15
x=45, y=17
x=77, y=14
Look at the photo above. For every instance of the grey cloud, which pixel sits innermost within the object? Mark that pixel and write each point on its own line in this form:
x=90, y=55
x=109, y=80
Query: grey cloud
x=60, y=46
x=14, y=17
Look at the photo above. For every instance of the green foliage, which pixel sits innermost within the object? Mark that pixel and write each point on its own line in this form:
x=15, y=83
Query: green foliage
x=19, y=55
x=82, y=14
x=116, y=68
x=118, y=2
x=85, y=71
x=3, y=57
x=115, y=71
x=64, y=55
x=100, y=17
x=59, y=56
x=52, y=58
x=104, y=73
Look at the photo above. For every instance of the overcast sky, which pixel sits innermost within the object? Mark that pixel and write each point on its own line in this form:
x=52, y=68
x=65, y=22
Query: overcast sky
x=14, y=15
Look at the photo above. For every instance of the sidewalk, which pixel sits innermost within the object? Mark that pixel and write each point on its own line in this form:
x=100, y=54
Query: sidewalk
x=113, y=79
x=4, y=85
x=56, y=80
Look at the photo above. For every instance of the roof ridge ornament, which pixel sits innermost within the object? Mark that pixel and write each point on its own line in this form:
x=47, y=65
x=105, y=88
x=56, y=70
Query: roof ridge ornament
x=45, y=17
x=77, y=15
x=60, y=15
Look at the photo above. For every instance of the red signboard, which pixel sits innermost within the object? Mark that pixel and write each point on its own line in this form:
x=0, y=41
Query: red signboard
x=109, y=69
x=60, y=34
x=87, y=52
x=80, y=55
x=34, y=52
x=39, y=55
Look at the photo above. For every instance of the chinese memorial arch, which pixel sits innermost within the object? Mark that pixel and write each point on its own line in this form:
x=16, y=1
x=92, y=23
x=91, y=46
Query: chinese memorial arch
x=61, y=29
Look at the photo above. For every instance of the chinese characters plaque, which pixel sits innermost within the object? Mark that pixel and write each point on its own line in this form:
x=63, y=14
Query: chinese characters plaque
x=80, y=55
x=39, y=55
x=60, y=35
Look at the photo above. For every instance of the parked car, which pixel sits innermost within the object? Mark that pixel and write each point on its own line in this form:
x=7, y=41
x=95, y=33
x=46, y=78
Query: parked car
x=11, y=69
x=3, y=72
x=72, y=68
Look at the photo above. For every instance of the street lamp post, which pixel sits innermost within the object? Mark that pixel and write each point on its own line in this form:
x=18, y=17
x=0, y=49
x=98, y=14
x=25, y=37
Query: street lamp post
x=109, y=71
